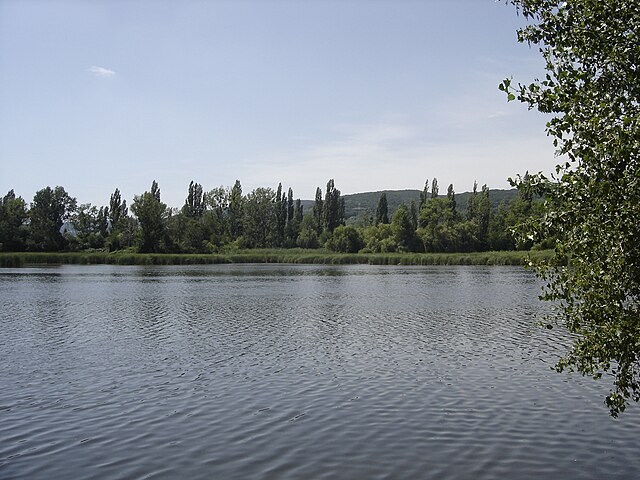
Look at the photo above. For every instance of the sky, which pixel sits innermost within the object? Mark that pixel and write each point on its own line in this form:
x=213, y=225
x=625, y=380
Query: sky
x=376, y=94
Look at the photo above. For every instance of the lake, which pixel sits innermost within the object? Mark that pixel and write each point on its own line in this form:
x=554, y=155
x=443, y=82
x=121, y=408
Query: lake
x=294, y=372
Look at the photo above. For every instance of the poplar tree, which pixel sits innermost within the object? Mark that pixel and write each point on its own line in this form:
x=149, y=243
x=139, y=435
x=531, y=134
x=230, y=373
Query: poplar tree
x=434, y=188
x=451, y=196
x=117, y=209
x=592, y=91
x=403, y=230
x=235, y=211
x=472, y=203
x=290, y=206
x=424, y=195
x=413, y=210
x=382, y=211
x=280, y=217
x=318, y=209
x=152, y=216
x=194, y=205
x=333, y=211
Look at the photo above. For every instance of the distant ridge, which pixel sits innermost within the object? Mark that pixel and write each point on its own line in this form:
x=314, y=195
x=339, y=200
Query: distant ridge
x=360, y=203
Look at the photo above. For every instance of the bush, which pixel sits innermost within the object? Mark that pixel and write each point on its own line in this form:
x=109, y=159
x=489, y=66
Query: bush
x=345, y=239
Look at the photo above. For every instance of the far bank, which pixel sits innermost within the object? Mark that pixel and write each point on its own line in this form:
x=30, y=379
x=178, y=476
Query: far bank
x=298, y=256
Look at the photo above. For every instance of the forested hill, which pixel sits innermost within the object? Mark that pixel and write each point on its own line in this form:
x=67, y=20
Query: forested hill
x=360, y=203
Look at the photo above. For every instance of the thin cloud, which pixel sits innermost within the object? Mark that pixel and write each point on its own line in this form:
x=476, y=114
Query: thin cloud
x=393, y=156
x=101, y=72
x=500, y=114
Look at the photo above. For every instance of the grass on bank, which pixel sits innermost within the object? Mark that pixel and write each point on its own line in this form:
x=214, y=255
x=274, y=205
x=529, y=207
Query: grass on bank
x=299, y=256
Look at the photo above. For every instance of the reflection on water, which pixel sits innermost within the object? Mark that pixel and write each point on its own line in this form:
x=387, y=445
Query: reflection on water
x=272, y=371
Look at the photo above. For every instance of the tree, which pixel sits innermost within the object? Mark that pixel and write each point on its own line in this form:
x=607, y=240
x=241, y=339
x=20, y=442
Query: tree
x=592, y=90
x=194, y=205
x=483, y=216
x=503, y=223
x=318, y=208
x=380, y=239
x=90, y=225
x=290, y=206
x=424, y=195
x=333, y=210
x=215, y=220
x=117, y=209
x=308, y=235
x=280, y=220
x=259, y=217
x=236, y=207
x=403, y=230
x=345, y=239
x=451, y=196
x=152, y=215
x=434, y=188
x=13, y=218
x=479, y=211
x=472, y=203
x=50, y=209
x=294, y=218
x=382, y=212
x=121, y=226
x=413, y=210
x=436, y=222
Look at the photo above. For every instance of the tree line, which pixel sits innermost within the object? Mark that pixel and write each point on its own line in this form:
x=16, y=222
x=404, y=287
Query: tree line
x=224, y=218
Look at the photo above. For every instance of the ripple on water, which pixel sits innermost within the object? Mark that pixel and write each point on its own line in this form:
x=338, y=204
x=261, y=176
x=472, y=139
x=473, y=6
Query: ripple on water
x=293, y=372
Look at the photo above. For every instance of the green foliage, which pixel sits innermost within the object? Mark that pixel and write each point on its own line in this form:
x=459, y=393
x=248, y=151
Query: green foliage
x=216, y=219
x=117, y=209
x=122, y=234
x=434, y=188
x=280, y=218
x=479, y=211
x=359, y=205
x=382, y=211
x=451, y=196
x=592, y=89
x=194, y=205
x=318, y=209
x=345, y=239
x=121, y=227
x=308, y=236
x=152, y=215
x=380, y=239
x=236, y=210
x=13, y=218
x=404, y=231
x=259, y=217
x=434, y=219
x=333, y=208
x=90, y=225
x=293, y=218
x=413, y=211
x=205, y=222
x=502, y=225
x=424, y=195
x=49, y=210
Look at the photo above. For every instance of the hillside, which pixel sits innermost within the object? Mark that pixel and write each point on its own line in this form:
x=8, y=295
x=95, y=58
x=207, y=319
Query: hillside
x=360, y=203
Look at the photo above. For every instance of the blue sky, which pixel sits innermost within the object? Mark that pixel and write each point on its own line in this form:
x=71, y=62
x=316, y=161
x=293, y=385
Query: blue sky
x=376, y=94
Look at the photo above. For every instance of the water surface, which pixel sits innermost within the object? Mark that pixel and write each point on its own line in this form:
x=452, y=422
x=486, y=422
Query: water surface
x=276, y=371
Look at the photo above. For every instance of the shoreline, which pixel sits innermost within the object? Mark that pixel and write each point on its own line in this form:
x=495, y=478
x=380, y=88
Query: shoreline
x=292, y=256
